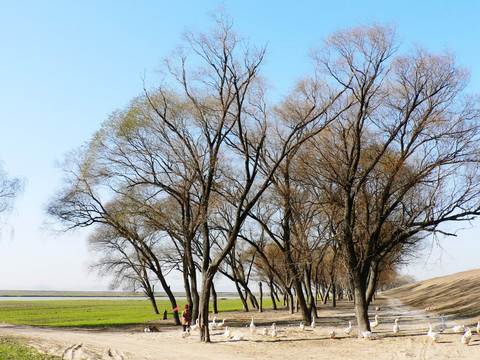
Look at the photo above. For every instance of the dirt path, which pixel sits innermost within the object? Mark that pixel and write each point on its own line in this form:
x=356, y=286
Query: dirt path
x=291, y=342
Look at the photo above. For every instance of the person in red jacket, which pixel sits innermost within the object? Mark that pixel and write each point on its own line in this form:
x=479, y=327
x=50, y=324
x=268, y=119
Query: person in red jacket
x=186, y=318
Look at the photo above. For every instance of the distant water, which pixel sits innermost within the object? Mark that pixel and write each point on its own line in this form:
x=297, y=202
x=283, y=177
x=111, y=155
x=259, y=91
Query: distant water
x=49, y=298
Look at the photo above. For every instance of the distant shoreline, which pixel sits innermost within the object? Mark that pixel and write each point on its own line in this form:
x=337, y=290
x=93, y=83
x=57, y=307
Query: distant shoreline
x=111, y=293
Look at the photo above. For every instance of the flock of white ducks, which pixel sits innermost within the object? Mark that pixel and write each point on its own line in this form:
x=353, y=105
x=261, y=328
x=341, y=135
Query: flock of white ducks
x=213, y=325
x=433, y=331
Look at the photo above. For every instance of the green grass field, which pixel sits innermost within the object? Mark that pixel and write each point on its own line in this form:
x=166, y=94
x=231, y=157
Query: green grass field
x=82, y=313
x=93, y=313
x=14, y=350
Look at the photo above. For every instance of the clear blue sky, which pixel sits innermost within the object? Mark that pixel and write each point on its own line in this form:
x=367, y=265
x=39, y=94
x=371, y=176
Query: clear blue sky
x=65, y=65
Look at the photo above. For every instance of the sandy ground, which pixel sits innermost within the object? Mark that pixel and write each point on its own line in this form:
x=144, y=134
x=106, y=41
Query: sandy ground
x=450, y=295
x=291, y=343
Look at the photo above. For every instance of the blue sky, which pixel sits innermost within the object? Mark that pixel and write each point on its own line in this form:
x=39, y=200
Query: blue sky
x=66, y=65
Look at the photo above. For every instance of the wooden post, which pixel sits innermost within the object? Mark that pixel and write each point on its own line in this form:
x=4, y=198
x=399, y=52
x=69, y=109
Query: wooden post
x=260, y=308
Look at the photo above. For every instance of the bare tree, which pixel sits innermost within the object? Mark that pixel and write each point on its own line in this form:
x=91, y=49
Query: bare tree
x=226, y=97
x=9, y=190
x=87, y=200
x=126, y=263
x=403, y=159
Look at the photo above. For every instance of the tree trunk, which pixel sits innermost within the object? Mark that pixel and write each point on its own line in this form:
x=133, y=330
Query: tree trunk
x=334, y=295
x=361, y=306
x=321, y=293
x=203, y=307
x=151, y=296
x=186, y=285
x=148, y=289
x=242, y=298
x=327, y=292
x=275, y=293
x=170, y=296
x=290, y=301
x=195, y=296
x=214, y=299
x=272, y=295
x=372, y=282
x=251, y=298
x=192, y=273
x=311, y=298
x=297, y=284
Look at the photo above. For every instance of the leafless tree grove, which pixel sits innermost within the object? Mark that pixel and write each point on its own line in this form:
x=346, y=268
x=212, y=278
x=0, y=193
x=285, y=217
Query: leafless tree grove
x=323, y=193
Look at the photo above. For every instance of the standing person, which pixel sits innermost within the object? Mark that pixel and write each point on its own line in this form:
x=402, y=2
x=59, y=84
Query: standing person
x=186, y=318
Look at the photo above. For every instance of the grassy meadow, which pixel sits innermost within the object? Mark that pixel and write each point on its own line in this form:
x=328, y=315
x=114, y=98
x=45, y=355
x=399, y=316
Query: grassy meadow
x=11, y=349
x=94, y=313
x=87, y=313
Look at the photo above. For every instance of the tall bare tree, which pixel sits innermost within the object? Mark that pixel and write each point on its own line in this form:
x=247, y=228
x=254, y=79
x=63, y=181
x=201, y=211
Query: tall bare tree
x=403, y=160
x=226, y=97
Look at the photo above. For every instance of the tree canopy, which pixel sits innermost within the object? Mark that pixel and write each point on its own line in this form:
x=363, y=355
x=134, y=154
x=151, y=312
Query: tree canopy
x=339, y=182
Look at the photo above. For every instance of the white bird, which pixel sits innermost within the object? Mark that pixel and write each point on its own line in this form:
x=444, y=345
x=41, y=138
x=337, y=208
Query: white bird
x=195, y=326
x=253, y=328
x=478, y=326
x=396, y=328
x=265, y=331
x=368, y=335
x=313, y=323
x=228, y=334
x=467, y=336
x=348, y=329
x=457, y=329
x=220, y=325
x=332, y=334
x=441, y=327
x=213, y=325
x=185, y=333
x=302, y=326
x=374, y=324
x=433, y=334
x=274, y=330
